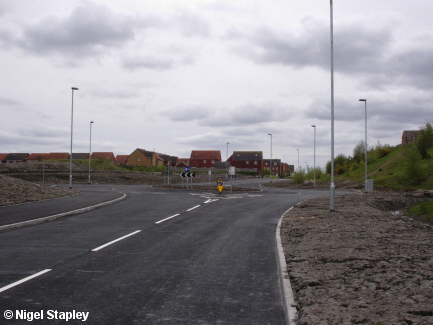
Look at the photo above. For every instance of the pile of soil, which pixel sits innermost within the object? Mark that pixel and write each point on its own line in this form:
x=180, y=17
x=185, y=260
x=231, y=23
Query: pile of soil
x=16, y=191
x=365, y=263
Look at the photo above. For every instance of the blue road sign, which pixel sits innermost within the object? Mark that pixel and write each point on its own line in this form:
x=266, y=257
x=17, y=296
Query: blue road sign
x=187, y=169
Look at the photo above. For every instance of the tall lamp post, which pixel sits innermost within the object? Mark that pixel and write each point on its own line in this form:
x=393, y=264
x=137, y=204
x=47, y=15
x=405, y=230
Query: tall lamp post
x=366, y=146
x=227, y=161
x=298, y=161
x=332, y=187
x=72, y=127
x=314, y=154
x=270, y=161
x=90, y=148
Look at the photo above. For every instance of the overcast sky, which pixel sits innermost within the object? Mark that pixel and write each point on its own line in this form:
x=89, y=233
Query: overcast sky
x=175, y=76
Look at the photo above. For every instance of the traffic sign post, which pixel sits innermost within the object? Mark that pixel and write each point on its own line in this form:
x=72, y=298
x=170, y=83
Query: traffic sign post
x=232, y=172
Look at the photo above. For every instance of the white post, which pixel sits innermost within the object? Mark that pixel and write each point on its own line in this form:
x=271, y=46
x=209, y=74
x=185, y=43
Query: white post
x=332, y=187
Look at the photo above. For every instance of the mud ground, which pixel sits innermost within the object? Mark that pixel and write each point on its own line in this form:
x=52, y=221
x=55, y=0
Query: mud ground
x=365, y=263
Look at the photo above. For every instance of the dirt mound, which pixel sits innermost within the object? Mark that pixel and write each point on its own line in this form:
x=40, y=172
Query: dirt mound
x=362, y=264
x=15, y=191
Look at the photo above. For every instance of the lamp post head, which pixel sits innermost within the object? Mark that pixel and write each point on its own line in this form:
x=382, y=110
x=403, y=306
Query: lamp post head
x=362, y=100
x=74, y=88
x=313, y=126
x=91, y=122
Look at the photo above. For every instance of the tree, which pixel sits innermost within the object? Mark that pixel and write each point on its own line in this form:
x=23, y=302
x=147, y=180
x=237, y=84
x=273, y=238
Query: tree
x=359, y=152
x=424, y=140
x=413, y=166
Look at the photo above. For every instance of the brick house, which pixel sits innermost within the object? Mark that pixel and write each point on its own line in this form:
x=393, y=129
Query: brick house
x=37, y=156
x=247, y=160
x=79, y=155
x=141, y=157
x=204, y=158
x=121, y=160
x=103, y=156
x=409, y=136
x=276, y=166
x=3, y=157
x=168, y=160
x=58, y=155
x=13, y=158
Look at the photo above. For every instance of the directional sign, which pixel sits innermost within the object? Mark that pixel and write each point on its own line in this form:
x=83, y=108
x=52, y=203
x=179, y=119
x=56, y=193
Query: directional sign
x=187, y=174
x=187, y=169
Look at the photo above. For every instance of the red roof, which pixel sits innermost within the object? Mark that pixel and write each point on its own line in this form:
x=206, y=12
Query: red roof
x=103, y=155
x=3, y=156
x=37, y=156
x=206, y=154
x=121, y=158
x=58, y=155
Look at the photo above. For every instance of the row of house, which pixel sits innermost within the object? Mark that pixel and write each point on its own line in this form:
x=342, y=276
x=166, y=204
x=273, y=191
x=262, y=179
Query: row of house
x=11, y=158
x=251, y=161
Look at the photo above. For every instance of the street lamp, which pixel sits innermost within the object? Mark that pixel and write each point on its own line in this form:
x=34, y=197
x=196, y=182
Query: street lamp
x=90, y=148
x=314, y=154
x=298, y=161
x=227, y=161
x=332, y=187
x=366, y=146
x=72, y=127
x=270, y=160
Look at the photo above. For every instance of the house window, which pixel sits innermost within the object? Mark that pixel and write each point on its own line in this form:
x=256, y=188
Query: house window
x=205, y=161
x=255, y=163
x=213, y=161
x=138, y=159
x=248, y=162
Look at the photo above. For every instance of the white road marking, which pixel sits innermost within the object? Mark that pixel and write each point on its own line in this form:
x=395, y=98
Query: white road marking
x=24, y=280
x=193, y=208
x=210, y=200
x=167, y=218
x=113, y=241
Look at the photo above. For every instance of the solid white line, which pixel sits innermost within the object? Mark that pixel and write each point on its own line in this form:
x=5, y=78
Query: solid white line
x=167, y=218
x=116, y=240
x=24, y=280
x=193, y=208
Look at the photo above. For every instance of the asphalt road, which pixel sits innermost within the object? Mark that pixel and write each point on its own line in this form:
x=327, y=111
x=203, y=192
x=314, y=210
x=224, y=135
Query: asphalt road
x=157, y=257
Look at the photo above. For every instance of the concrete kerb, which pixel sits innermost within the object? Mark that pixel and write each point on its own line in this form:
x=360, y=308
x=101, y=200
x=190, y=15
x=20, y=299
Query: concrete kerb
x=289, y=304
x=60, y=215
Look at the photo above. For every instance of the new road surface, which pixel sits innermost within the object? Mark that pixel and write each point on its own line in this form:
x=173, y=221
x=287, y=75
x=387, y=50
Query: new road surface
x=156, y=257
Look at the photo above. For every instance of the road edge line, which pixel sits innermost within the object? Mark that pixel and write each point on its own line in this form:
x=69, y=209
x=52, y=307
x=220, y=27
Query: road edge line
x=290, y=310
x=64, y=214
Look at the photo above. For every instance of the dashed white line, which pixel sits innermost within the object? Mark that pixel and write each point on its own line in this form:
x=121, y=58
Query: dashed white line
x=113, y=241
x=167, y=218
x=24, y=280
x=193, y=208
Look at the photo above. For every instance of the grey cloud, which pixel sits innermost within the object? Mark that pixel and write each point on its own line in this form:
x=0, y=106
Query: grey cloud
x=355, y=49
x=188, y=112
x=87, y=30
x=133, y=63
x=244, y=114
x=9, y=102
x=192, y=24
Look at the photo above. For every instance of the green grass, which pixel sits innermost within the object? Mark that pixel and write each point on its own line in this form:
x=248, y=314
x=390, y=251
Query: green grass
x=423, y=211
x=389, y=172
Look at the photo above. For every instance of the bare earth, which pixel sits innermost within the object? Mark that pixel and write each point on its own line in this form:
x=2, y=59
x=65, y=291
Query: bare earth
x=365, y=263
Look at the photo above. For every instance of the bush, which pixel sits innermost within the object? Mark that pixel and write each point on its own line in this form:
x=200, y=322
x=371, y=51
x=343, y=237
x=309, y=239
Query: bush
x=424, y=140
x=413, y=166
x=299, y=177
